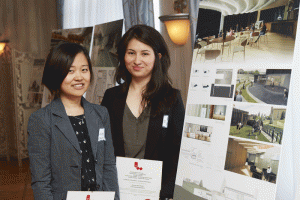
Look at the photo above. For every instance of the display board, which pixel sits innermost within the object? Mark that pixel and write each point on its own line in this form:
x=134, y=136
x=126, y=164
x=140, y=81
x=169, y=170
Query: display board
x=100, y=40
x=235, y=116
x=104, y=59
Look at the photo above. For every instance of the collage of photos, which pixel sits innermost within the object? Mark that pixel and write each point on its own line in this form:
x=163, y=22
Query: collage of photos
x=240, y=76
x=215, y=83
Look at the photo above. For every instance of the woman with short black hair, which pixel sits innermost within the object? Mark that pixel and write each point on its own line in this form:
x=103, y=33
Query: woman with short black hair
x=70, y=146
x=146, y=112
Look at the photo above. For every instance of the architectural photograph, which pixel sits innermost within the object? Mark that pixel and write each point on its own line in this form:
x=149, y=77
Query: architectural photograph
x=246, y=31
x=252, y=159
x=82, y=36
x=261, y=123
x=106, y=38
x=266, y=86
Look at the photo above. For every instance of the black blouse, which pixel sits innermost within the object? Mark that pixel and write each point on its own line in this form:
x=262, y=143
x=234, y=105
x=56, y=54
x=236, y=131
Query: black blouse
x=88, y=175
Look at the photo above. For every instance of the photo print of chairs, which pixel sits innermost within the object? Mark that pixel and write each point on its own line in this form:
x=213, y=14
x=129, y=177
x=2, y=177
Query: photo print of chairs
x=245, y=36
x=253, y=159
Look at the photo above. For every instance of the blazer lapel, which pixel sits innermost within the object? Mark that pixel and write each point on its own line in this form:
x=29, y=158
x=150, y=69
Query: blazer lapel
x=61, y=120
x=93, y=123
x=117, y=117
x=154, y=130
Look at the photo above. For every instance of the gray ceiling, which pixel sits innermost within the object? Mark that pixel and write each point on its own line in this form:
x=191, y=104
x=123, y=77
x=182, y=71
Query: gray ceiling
x=232, y=7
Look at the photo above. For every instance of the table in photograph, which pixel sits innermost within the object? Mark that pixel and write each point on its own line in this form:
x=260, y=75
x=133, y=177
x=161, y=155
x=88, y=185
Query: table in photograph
x=221, y=40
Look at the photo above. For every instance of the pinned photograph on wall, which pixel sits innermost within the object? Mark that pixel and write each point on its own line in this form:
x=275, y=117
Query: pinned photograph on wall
x=253, y=159
x=104, y=59
x=267, y=86
x=246, y=31
x=82, y=36
x=261, y=123
x=103, y=79
x=106, y=38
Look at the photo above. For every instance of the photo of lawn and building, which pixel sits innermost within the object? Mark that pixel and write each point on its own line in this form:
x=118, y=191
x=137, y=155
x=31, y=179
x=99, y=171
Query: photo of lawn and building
x=270, y=86
x=262, y=123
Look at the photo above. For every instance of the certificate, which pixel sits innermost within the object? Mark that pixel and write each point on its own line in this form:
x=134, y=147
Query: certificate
x=90, y=195
x=139, y=179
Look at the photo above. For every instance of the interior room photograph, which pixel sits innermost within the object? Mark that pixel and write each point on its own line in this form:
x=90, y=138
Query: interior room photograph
x=246, y=31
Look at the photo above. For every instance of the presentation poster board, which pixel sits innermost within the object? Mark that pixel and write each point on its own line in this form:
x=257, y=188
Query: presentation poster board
x=104, y=59
x=82, y=36
x=101, y=42
x=233, y=135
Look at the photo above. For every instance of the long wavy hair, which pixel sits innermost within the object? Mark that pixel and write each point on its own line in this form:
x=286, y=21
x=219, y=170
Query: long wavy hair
x=158, y=92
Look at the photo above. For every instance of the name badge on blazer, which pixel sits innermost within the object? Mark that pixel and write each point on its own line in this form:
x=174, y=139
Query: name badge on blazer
x=101, y=136
x=165, y=121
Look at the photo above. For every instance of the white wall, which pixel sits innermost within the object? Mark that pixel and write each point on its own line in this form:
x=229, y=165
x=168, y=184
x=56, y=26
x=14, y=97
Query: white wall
x=181, y=56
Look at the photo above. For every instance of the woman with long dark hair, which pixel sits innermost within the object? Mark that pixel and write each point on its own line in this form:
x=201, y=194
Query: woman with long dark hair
x=70, y=145
x=146, y=112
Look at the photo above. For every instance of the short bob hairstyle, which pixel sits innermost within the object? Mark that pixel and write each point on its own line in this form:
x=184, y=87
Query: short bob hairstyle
x=160, y=80
x=58, y=63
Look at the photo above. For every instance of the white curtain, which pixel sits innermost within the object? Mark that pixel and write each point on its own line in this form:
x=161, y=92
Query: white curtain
x=83, y=13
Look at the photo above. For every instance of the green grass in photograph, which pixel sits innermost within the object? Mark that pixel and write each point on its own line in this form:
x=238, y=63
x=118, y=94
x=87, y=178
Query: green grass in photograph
x=276, y=123
x=247, y=97
x=237, y=85
x=244, y=133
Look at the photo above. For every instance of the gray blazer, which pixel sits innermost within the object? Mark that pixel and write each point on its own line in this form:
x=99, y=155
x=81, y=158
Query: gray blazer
x=54, y=152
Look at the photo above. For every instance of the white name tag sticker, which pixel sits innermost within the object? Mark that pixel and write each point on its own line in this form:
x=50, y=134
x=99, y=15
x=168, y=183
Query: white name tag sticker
x=165, y=121
x=101, y=135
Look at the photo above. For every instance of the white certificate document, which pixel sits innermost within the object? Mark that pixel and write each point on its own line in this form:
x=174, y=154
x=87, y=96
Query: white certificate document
x=90, y=195
x=139, y=179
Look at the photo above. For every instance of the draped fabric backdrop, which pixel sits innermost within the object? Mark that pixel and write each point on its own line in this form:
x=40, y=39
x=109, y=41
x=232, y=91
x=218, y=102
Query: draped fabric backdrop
x=27, y=24
x=138, y=12
x=194, y=9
